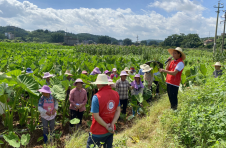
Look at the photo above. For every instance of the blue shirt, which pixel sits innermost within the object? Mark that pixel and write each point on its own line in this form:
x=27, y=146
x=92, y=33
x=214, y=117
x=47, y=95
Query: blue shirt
x=95, y=109
x=140, y=72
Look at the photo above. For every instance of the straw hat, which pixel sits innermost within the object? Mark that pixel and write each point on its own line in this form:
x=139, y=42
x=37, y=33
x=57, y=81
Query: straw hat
x=126, y=69
x=217, y=64
x=123, y=73
x=143, y=65
x=183, y=56
x=110, y=81
x=68, y=73
x=77, y=81
x=47, y=75
x=147, y=68
x=45, y=89
x=101, y=79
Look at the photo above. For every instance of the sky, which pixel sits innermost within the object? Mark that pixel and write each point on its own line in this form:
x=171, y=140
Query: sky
x=149, y=19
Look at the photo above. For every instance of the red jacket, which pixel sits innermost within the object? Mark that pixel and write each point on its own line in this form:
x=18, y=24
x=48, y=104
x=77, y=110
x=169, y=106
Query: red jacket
x=108, y=102
x=174, y=80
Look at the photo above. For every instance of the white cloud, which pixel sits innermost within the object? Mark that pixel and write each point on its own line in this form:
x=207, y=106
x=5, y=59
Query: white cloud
x=119, y=23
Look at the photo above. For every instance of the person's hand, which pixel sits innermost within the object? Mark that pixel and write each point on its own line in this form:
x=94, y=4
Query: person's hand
x=132, y=87
x=79, y=106
x=54, y=111
x=161, y=70
x=111, y=128
x=76, y=106
x=48, y=113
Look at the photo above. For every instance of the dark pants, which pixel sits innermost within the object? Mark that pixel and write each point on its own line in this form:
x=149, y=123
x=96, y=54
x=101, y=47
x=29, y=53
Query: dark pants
x=172, y=93
x=124, y=104
x=76, y=114
x=107, y=140
x=157, y=86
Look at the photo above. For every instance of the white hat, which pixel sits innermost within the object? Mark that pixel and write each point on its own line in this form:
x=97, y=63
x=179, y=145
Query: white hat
x=143, y=65
x=114, y=69
x=101, y=79
x=68, y=73
x=183, y=56
x=147, y=68
x=126, y=69
x=217, y=64
x=123, y=73
x=47, y=75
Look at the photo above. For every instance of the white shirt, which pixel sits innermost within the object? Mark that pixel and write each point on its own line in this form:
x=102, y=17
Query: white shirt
x=180, y=66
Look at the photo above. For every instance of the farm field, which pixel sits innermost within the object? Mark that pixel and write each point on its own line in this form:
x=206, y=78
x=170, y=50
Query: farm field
x=199, y=121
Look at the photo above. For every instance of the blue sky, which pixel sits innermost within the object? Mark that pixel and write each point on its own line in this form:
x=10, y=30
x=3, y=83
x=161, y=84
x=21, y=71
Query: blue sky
x=150, y=19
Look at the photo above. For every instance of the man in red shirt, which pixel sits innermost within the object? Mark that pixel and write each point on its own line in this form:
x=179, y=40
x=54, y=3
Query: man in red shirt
x=106, y=110
x=174, y=69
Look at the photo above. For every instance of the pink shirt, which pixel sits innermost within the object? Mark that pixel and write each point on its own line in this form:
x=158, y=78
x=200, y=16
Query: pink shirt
x=113, y=75
x=78, y=97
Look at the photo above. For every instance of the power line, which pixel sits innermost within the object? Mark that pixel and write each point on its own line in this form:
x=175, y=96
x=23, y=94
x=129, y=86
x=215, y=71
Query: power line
x=218, y=11
x=222, y=49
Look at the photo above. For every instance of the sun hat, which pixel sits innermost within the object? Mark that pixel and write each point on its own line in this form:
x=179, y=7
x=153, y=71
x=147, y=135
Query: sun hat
x=123, y=73
x=142, y=66
x=68, y=73
x=96, y=70
x=77, y=81
x=137, y=76
x=45, y=89
x=110, y=81
x=29, y=70
x=183, y=56
x=217, y=64
x=106, y=71
x=147, y=68
x=101, y=79
x=84, y=72
x=114, y=69
x=126, y=69
x=47, y=75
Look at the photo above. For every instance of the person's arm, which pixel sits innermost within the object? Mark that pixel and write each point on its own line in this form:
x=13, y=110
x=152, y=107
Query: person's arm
x=71, y=98
x=85, y=100
x=178, y=68
x=117, y=114
x=168, y=64
x=56, y=104
x=100, y=120
x=116, y=85
x=40, y=106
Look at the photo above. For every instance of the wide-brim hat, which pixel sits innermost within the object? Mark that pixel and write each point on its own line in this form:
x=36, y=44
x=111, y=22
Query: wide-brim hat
x=101, y=79
x=126, y=69
x=106, y=71
x=68, y=73
x=45, y=89
x=97, y=70
x=114, y=69
x=84, y=72
x=78, y=81
x=183, y=56
x=29, y=70
x=137, y=76
x=123, y=73
x=47, y=75
x=217, y=64
x=143, y=65
x=147, y=68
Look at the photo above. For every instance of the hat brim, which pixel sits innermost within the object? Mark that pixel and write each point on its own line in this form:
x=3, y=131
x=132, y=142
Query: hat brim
x=217, y=65
x=142, y=66
x=69, y=74
x=77, y=82
x=100, y=82
x=126, y=70
x=110, y=83
x=44, y=91
x=124, y=74
x=49, y=76
x=29, y=71
x=147, y=70
x=183, y=56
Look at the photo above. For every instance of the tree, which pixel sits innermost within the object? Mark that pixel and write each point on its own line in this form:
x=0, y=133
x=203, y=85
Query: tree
x=153, y=43
x=57, y=37
x=90, y=42
x=2, y=36
x=115, y=43
x=104, y=40
x=143, y=43
x=127, y=42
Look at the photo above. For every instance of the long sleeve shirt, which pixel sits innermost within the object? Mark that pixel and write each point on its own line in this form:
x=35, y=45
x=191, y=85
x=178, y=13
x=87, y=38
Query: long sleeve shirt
x=78, y=97
x=122, y=88
x=149, y=78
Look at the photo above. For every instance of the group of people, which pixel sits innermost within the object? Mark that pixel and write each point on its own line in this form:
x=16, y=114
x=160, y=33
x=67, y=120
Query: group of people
x=106, y=102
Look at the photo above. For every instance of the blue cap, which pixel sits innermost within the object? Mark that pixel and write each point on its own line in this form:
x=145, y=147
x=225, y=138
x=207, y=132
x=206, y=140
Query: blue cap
x=29, y=70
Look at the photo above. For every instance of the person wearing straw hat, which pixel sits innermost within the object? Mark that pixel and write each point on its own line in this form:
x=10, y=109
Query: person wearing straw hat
x=122, y=87
x=126, y=70
x=114, y=73
x=47, y=107
x=84, y=72
x=174, y=69
x=105, y=112
x=141, y=69
x=95, y=71
x=137, y=88
x=107, y=73
x=47, y=76
x=148, y=77
x=78, y=100
x=218, y=71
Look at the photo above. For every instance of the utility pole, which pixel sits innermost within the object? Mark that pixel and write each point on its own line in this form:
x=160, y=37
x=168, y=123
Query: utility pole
x=137, y=38
x=223, y=31
x=218, y=11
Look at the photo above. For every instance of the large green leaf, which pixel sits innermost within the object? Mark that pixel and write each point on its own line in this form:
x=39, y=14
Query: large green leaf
x=183, y=78
x=203, y=69
x=25, y=139
x=139, y=97
x=74, y=121
x=12, y=139
x=28, y=83
x=58, y=92
x=14, y=73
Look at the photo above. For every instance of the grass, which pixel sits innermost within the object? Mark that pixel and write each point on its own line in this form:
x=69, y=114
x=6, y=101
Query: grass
x=149, y=130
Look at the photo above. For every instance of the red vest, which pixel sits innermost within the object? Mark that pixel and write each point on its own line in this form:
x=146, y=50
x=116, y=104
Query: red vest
x=174, y=80
x=108, y=102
